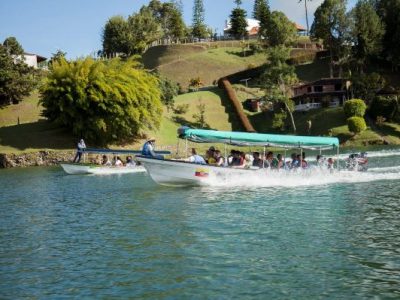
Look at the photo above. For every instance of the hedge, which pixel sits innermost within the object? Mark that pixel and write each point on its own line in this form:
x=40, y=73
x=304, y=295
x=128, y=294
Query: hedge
x=356, y=124
x=354, y=108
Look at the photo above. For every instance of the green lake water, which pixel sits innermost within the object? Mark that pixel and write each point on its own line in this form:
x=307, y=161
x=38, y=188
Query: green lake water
x=102, y=237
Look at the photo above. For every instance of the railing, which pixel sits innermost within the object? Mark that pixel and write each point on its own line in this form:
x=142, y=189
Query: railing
x=308, y=106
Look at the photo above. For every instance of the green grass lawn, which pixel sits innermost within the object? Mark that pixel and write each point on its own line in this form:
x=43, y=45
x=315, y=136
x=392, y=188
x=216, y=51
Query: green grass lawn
x=182, y=62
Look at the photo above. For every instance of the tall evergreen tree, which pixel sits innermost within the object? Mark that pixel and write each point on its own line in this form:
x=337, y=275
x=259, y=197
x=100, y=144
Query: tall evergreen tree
x=238, y=22
x=367, y=31
x=198, y=27
x=389, y=11
x=13, y=46
x=262, y=13
x=331, y=25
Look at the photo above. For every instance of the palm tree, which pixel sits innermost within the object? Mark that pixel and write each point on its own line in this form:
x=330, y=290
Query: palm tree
x=305, y=5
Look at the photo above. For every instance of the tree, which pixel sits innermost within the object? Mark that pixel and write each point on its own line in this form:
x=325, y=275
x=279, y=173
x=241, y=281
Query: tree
x=280, y=31
x=354, y=108
x=367, y=31
x=198, y=27
x=117, y=37
x=389, y=11
x=57, y=56
x=277, y=79
x=364, y=86
x=16, y=77
x=262, y=13
x=356, y=124
x=169, y=16
x=13, y=47
x=169, y=90
x=102, y=101
x=200, y=116
x=260, y=6
x=144, y=28
x=238, y=22
x=305, y=7
x=332, y=27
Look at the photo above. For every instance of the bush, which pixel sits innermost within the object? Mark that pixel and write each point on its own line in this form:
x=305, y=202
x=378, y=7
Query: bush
x=354, y=108
x=356, y=124
x=181, y=109
x=102, y=101
x=385, y=106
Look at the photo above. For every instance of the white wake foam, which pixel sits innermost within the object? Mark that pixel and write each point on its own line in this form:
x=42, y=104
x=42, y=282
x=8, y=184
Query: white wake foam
x=305, y=178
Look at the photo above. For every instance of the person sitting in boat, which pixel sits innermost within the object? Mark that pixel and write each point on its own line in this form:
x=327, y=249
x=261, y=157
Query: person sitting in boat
x=219, y=159
x=148, y=149
x=257, y=161
x=118, y=162
x=241, y=160
x=80, y=148
x=304, y=163
x=330, y=163
x=271, y=162
x=230, y=157
x=195, y=158
x=210, y=156
x=295, y=161
x=105, y=161
x=280, y=161
x=321, y=161
x=130, y=162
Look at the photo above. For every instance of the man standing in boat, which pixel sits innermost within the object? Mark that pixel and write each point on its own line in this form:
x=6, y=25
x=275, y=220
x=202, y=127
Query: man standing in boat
x=80, y=148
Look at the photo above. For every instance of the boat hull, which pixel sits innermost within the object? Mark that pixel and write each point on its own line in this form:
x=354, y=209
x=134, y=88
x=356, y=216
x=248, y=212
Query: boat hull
x=179, y=173
x=76, y=169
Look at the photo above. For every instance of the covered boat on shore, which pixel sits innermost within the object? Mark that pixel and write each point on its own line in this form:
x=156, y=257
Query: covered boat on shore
x=96, y=169
x=180, y=173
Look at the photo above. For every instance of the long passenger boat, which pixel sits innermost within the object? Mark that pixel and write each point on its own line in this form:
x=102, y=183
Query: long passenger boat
x=181, y=173
x=89, y=168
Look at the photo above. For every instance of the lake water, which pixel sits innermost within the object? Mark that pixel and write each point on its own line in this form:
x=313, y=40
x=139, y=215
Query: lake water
x=126, y=237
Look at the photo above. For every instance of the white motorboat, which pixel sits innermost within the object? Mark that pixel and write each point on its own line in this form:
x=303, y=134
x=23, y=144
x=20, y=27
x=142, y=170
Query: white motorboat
x=181, y=173
x=85, y=168
x=77, y=168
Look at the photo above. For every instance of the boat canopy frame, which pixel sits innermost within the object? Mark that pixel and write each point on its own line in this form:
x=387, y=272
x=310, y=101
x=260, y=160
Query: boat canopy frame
x=258, y=139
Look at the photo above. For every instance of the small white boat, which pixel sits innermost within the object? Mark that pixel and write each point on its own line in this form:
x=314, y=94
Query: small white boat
x=182, y=173
x=77, y=168
x=84, y=168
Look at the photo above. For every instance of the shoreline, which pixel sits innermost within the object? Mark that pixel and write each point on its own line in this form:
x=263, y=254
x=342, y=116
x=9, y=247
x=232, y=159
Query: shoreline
x=46, y=158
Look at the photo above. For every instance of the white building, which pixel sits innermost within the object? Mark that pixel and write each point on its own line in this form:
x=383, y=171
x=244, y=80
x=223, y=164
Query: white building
x=32, y=60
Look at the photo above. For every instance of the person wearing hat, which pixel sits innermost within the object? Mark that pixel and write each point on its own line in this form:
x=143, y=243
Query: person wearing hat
x=148, y=147
x=80, y=148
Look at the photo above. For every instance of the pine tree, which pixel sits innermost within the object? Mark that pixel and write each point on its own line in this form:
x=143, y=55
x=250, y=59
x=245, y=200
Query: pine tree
x=367, y=31
x=198, y=27
x=260, y=8
x=238, y=22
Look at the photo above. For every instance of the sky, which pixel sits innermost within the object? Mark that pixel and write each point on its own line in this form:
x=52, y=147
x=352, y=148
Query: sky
x=75, y=26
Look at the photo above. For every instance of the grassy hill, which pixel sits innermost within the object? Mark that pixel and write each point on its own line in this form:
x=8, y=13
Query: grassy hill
x=33, y=133
x=183, y=62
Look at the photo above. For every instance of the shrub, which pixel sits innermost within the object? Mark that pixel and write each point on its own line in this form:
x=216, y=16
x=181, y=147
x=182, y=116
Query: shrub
x=385, y=106
x=102, y=101
x=354, y=108
x=356, y=124
x=181, y=109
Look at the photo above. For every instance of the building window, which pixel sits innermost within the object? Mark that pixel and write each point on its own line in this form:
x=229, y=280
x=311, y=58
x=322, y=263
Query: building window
x=338, y=87
x=318, y=88
x=309, y=89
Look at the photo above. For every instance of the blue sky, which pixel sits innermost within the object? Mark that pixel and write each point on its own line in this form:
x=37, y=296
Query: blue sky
x=75, y=26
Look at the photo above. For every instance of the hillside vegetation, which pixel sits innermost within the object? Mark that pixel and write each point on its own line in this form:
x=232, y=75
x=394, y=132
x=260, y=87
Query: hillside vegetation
x=183, y=62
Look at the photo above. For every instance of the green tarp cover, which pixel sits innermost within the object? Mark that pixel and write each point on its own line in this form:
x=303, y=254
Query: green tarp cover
x=258, y=139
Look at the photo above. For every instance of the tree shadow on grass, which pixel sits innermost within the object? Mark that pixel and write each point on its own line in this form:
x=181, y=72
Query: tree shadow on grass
x=229, y=109
x=389, y=130
x=38, y=135
x=183, y=122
